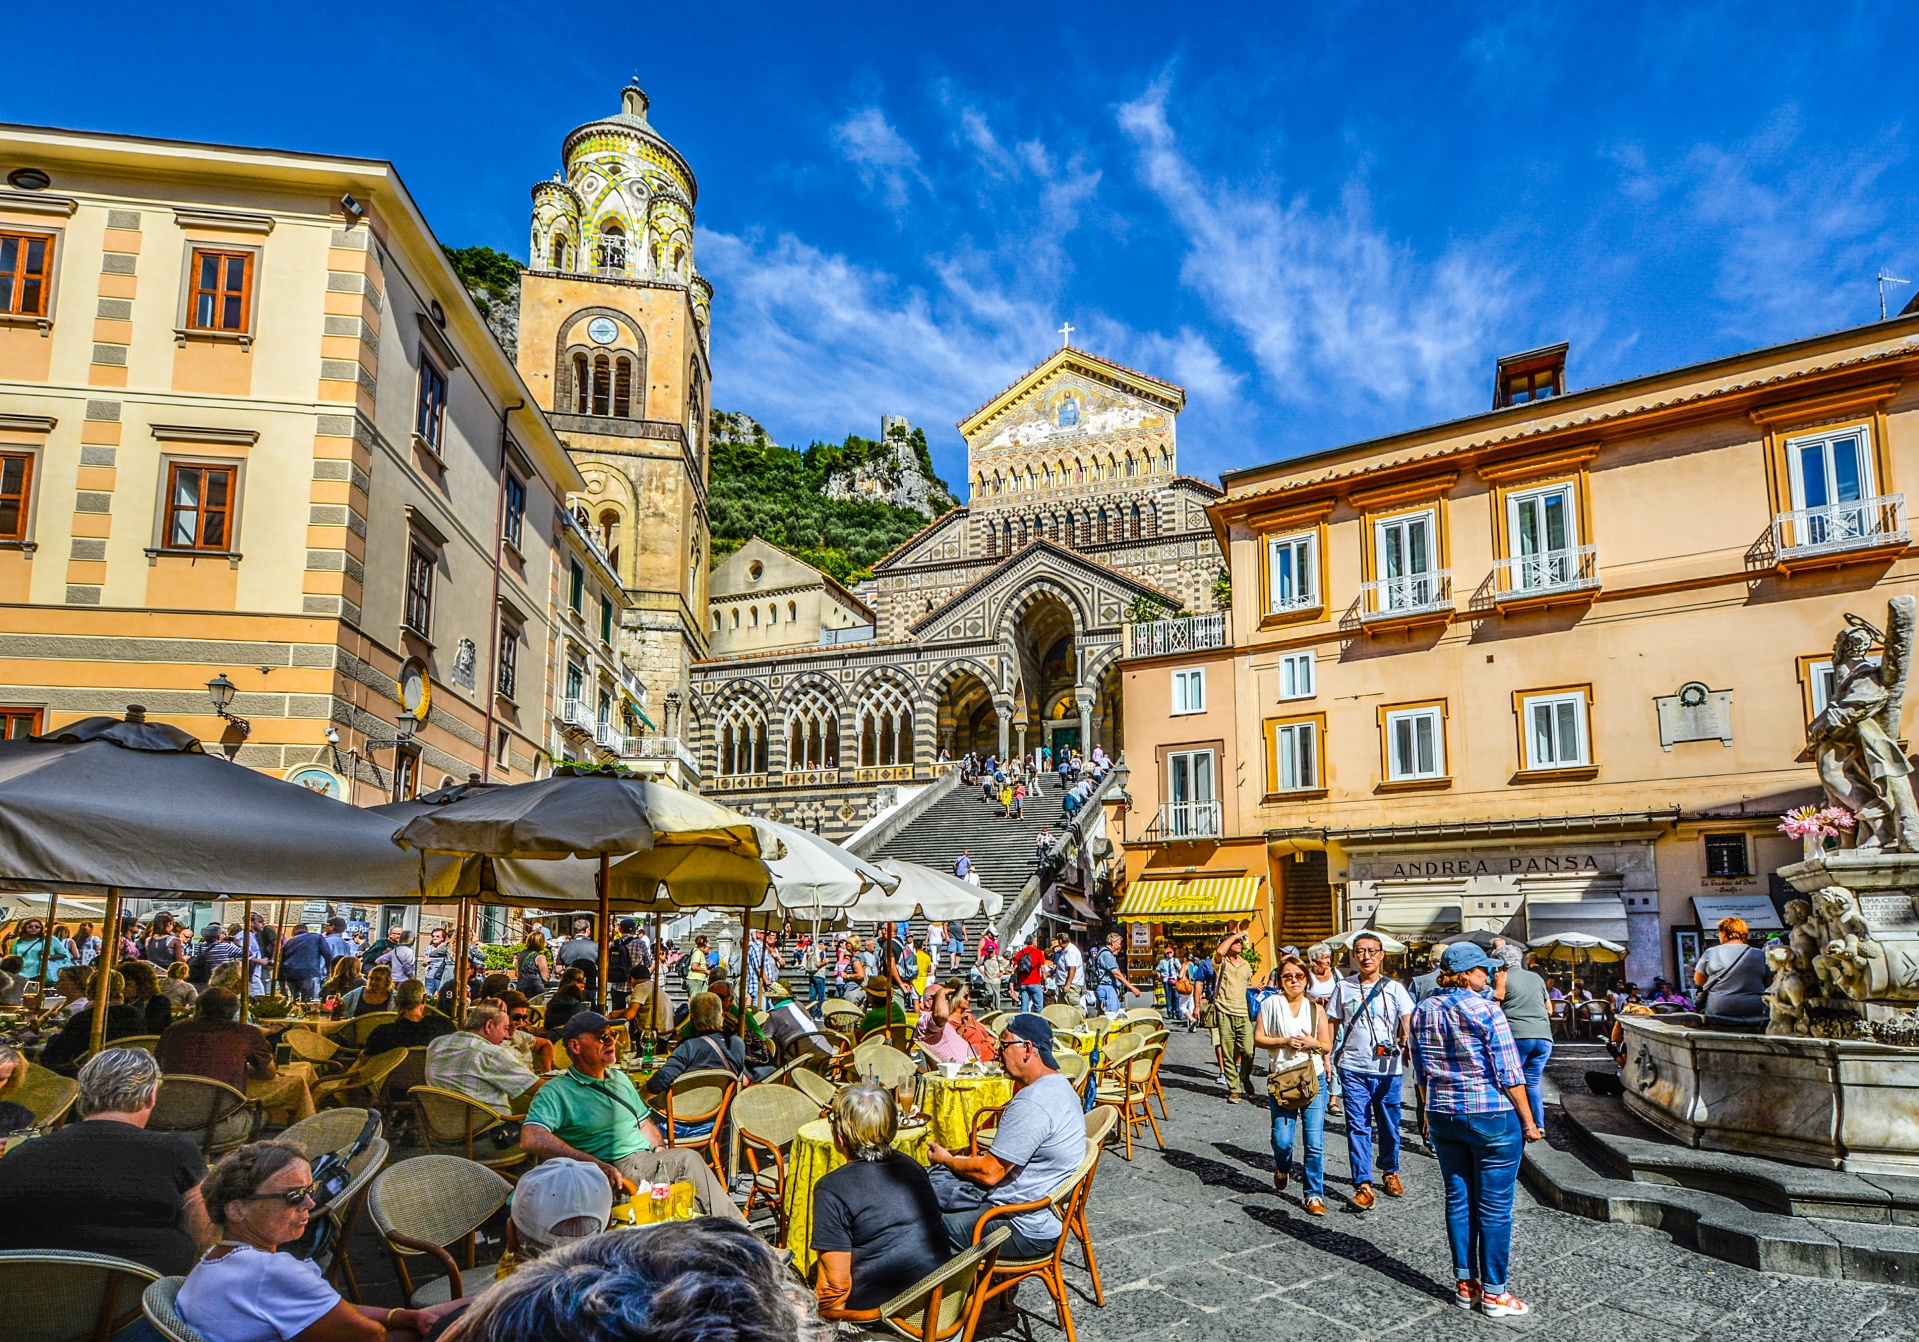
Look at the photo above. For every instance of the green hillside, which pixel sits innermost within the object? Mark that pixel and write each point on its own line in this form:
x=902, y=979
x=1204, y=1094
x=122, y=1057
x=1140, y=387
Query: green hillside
x=759, y=489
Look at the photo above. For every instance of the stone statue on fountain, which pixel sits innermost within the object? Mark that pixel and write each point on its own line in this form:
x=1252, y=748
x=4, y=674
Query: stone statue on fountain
x=1855, y=738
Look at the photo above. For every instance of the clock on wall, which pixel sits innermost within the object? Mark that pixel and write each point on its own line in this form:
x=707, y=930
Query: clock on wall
x=416, y=691
x=603, y=330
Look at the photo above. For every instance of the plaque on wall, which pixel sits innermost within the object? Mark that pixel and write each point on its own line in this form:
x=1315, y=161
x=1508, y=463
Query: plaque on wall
x=1694, y=714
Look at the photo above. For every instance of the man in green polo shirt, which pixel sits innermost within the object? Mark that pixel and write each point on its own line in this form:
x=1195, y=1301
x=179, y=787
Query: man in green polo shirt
x=593, y=1113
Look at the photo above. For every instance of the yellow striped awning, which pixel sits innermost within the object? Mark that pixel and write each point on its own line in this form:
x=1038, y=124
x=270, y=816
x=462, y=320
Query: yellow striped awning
x=1196, y=899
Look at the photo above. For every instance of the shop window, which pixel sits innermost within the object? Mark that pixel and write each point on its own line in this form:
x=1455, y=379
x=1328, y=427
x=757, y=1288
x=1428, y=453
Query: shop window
x=1727, y=856
x=1297, y=676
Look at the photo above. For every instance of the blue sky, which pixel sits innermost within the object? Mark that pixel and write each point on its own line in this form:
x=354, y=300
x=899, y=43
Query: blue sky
x=1325, y=221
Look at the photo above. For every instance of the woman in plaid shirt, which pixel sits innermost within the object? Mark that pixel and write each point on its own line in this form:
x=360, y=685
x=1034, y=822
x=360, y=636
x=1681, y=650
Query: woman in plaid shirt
x=1479, y=1120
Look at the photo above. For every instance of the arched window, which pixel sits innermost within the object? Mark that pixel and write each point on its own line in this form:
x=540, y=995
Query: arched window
x=753, y=616
x=742, y=738
x=772, y=612
x=792, y=612
x=612, y=248
x=1132, y=466
x=623, y=387
x=580, y=384
x=996, y=482
x=602, y=385
x=886, y=727
x=559, y=251
x=979, y=483
x=1079, y=472
x=1112, y=468
x=812, y=733
x=736, y=617
x=716, y=622
x=1165, y=461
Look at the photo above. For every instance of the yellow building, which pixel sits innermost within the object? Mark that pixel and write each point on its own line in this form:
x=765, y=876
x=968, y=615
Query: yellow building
x=254, y=436
x=614, y=342
x=1544, y=668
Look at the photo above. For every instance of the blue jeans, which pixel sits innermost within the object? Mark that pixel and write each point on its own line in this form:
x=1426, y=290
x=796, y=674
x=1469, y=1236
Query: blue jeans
x=1533, y=1056
x=1479, y=1160
x=1286, y=1126
x=1108, y=999
x=1371, y=1097
x=1032, y=996
x=306, y=989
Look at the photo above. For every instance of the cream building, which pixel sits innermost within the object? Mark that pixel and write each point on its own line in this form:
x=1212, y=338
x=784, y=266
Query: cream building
x=254, y=433
x=1546, y=667
x=764, y=599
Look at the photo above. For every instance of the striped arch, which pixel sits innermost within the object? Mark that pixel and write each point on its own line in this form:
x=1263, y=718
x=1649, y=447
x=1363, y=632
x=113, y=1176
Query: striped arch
x=1031, y=590
x=885, y=722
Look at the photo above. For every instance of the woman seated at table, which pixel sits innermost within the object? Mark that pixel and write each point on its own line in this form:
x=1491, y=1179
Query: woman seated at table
x=64, y=1051
x=142, y=987
x=567, y=1002
x=376, y=994
x=177, y=988
x=707, y=1045
x=876, y=1221
x=244, y=1290
x=985, y=1047
x=343, y=981
x=937, y=1033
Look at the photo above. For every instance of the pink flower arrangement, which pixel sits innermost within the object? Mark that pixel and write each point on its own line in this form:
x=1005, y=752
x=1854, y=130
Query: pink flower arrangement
x=1816, y=822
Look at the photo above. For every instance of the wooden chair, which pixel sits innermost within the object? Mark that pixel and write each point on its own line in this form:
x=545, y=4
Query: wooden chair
x=767, y=1119
x=211, y=1114
x=422, y=1205
x=46, y=1092
x=160, y=1304
x=68, y=1296
x=1006, y=1276
x=813, y=1086
x=1064, y=1016
x=1131, y=1092
x=1099, y=1125
x=945, y=1304
x=365, y=1080
x=1157, y=1039
x=984, y=1128
x=892, y=1065
x=449, y=1122
x=699, y=1099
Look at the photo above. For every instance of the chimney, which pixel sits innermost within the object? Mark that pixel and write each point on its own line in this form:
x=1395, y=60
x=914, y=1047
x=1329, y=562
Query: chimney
x=1532, y=375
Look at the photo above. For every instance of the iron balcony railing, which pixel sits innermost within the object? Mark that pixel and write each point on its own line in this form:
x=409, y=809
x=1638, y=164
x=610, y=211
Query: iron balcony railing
x=1568, y=570
x=1410, y=594
x=1183, y=633
x=1860, y=524
x=607, y=736
x=1186, y=820
x=666, y=748
x=575, y=713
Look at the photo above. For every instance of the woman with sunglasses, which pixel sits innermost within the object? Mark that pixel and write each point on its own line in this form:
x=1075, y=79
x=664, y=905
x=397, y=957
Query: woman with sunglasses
x=244, y=1290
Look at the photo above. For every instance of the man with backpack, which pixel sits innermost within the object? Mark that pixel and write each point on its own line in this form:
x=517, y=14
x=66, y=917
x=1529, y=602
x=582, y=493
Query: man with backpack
x=1029, y=975
x=630, y=961
x=1107, y=977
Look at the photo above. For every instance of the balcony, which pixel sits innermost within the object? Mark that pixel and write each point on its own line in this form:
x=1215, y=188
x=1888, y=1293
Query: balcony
x=1406, y=601
x=1838, y=532
x=1185, y=633
x=577, y=716
x=1546, y=577
x=607, y=737
x=664, y=748
x=1181, y=820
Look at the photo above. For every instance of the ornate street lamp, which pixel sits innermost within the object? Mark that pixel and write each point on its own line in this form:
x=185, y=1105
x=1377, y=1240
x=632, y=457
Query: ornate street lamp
x=221, y=691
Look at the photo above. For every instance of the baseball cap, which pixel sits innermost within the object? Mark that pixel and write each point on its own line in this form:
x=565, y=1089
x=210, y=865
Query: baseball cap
x=582, y=1022
x=629, y=924
x=1464, y=955
x=1035, y=1030
x=559, y=1190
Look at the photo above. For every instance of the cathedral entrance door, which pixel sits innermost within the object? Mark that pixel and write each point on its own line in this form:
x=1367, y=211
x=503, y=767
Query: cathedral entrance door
x=1063, y=739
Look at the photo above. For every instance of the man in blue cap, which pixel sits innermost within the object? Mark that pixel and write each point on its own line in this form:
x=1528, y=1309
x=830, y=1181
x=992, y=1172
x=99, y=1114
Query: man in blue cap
x=1041, y=1139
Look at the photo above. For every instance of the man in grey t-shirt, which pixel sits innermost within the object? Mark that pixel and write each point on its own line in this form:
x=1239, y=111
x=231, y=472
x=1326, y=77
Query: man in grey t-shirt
x=1040, y=1143
x=1523, y=997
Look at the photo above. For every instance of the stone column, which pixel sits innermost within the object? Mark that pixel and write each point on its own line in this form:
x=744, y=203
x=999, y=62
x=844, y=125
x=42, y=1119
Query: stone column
x=1084, y=698
x=1022, y=740
x=1003, y=710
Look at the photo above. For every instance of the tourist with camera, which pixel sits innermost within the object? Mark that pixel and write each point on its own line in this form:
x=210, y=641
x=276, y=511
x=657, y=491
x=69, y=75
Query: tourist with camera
x=1372, y=1013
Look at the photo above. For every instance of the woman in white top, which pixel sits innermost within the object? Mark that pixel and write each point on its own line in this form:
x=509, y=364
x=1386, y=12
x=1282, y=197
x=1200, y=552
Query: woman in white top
x=1293, y=1029
x=243, y=1290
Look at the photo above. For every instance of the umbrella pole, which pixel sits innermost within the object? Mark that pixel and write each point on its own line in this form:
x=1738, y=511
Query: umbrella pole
x=746, y=967
x=46, y=943
x=653, y=1008
x=102, y=998
x=606, y=928
x=246, y=956
x=279, y=942
x=458, y=960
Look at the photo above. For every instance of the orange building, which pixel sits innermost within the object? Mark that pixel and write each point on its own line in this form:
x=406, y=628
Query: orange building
x=1544, y=668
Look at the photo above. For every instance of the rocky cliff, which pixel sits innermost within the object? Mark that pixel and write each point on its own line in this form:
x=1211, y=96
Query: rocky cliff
x=897, y=470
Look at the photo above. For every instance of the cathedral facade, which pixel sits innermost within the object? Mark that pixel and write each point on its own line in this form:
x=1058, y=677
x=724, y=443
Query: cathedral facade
x=997, y=628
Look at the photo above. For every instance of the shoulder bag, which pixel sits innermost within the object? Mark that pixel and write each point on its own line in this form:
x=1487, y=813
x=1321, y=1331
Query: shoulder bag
x=1296, y=1085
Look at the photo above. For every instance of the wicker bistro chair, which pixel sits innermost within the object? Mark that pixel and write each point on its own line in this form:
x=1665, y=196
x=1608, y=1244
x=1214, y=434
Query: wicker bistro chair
x=1064, y=1016
x=334, y=1130
x=209, y=1113
x=892, y=1065
x=161, y=1305
x=1099, y=1124
x=313, y=1047
x=1117, y=1049
x=813, y=1086
x=47, y=1093
x=1005, y=1276
x=449, y=1122
x=945, y=1304
x=767, y=1119
x=838, y=1009
x=1157, y=1039
x=1130, y=1091
x=354, y=1036
x=68, y=1296
x=697, y=1101
x=1075, y=1068
x=422, y=1205
x=365, y=1080
x=899, y=1037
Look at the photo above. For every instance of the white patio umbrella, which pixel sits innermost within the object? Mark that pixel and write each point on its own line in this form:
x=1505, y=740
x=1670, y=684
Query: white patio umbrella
x=933, y=894
x=1577, y=946
x=1344, y=941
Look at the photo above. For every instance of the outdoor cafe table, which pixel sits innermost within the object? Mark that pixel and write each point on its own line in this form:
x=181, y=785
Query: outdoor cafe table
x=952, y=1102
x=812, y=1158
x=287, y=1095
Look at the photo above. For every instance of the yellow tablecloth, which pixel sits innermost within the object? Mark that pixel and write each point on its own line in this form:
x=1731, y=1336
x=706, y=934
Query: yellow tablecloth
x=286, y=1096
x=812, y=1158
x=953, y=1102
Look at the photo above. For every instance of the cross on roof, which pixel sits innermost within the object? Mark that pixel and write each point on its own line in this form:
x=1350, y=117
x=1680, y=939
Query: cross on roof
x=1066, y=335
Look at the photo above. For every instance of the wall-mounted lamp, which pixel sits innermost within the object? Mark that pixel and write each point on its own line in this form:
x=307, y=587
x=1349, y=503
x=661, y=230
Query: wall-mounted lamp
x=221, y=691
x=333, y=736
x=405, y=725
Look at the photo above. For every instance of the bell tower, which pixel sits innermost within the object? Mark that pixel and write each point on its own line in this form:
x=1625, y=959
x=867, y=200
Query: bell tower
x=614, y=343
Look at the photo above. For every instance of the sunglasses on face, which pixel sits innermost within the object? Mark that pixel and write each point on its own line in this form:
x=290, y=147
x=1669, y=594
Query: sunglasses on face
x=520, y=1017
x=292, y=1197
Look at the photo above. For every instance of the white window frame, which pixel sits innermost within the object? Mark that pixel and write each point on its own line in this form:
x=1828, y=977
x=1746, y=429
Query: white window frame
x=1300, y=742
x=1795, y=466
x=1409, y=719
x=1303, y=672
x=1303, y=549
x=1579, y=758
x=1189, y=692
x=1821, y=674
x=1407, y=580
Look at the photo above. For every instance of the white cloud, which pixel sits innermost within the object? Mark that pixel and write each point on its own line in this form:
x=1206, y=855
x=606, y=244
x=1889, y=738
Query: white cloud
x=1327, y=302
x=884, y=160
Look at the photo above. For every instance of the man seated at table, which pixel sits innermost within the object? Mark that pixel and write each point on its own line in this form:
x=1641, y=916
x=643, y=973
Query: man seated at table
x=215, y=1044
x=64, y=1050
x=936, y=1032
x=592, y=1112
x=1041, y=1140
x=789, y=1029
x=722, y=988
x=879, y=1010
x=877, y=1226
x=414, y=1027
x=708, y=1046
x=477, y=1061
x=535, y=1051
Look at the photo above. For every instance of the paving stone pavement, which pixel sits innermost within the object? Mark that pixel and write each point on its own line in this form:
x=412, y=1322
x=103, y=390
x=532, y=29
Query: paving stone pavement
x=1195, y=1243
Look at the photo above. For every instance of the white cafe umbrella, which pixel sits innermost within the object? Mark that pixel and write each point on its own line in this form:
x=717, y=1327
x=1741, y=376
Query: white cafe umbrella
x=1577, y=946
x=933, y=894
x=1344, y=941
